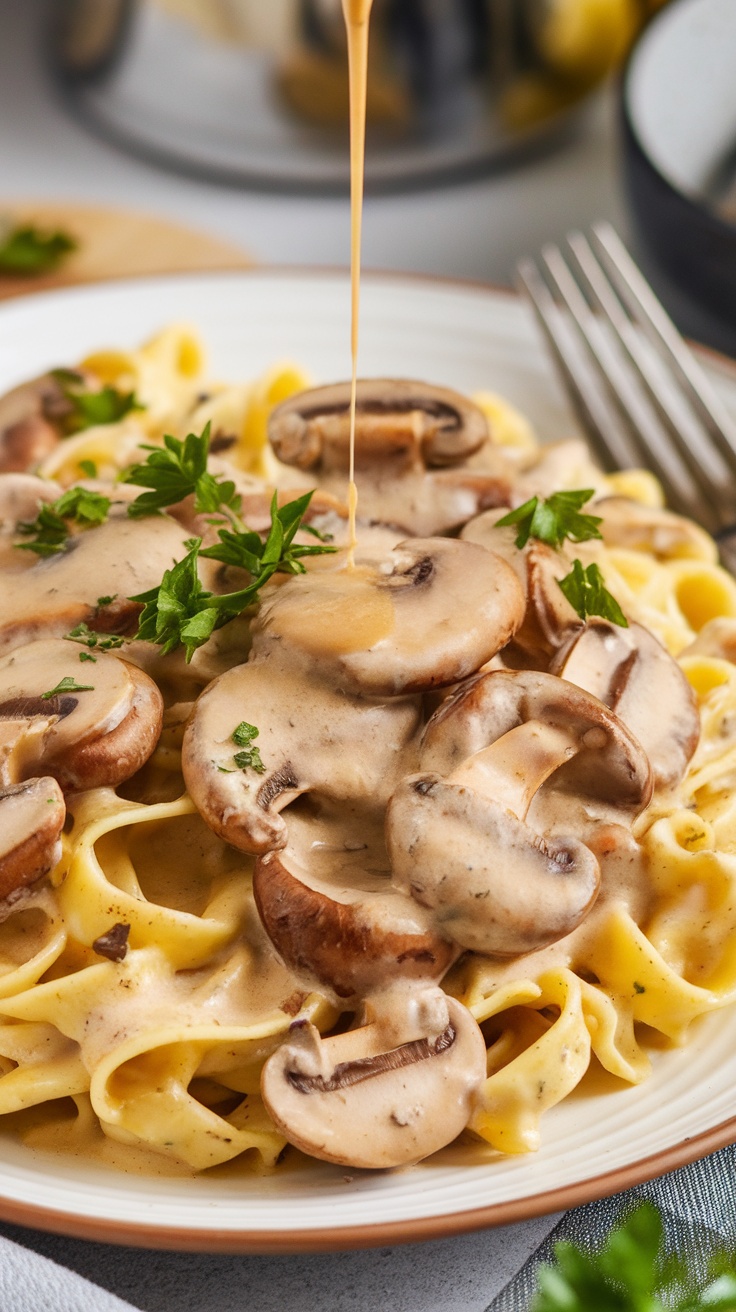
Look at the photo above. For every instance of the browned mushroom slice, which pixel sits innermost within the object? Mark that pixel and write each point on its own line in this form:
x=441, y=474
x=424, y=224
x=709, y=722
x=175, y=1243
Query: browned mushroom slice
x=549, y=619
x=327, y=904
x=517, y=767
x=632, y=673
x=28, y=431
x=87, y=726
x=429, y=615
x=412, y=442
x=31, y=820
x=716, y=638
x=308, y=731
x=122, y=557
x=362, y=1101
x=661, y=533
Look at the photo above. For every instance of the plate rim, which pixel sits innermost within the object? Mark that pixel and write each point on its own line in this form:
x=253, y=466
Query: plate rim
x=273, y=1241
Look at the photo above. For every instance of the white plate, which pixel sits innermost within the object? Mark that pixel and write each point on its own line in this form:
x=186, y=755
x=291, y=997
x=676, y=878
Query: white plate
x=594, y=1144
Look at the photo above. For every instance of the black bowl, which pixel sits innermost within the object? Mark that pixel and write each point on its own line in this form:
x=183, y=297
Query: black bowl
x=679, y=148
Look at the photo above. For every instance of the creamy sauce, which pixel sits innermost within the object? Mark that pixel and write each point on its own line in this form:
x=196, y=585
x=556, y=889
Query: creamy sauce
x=334, y=613
x=357, y=14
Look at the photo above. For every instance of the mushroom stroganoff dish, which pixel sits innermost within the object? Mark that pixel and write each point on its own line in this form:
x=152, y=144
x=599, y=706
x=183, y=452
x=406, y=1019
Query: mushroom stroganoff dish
x=346, y=851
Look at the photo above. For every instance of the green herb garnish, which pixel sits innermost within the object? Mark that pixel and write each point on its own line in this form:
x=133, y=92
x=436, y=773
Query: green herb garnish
x=87, y=656
x=89, y=468
x=553, y=520
x=26, y=250
x=86, y=637
x=90, y=409
x=632, y=1273
x=588, y=595
x=178, y=470
x=181, y=612
x=250, y=759
x=50, y=528
x=67, y=684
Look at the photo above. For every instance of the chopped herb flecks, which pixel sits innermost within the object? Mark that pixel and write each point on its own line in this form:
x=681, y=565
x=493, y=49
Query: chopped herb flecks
x=67, y=684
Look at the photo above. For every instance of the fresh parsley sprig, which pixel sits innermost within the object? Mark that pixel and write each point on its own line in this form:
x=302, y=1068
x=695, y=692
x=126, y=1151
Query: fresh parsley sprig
x=26, y=250
x=588, y=594
x=554, y=519
x=181, y=612
x=177, y=470
x=632, y=1273
x=88, y=409
x=50, y=529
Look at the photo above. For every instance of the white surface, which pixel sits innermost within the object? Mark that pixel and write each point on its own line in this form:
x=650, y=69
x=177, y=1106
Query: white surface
x=682, y=90
x=474, y=230
x=464, y=338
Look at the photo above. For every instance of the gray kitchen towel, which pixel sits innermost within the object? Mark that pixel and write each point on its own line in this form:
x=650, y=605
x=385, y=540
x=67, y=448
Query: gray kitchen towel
x=698, y=1206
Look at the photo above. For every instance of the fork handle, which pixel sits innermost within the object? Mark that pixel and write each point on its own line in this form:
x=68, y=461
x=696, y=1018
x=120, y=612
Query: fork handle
x=726, y=541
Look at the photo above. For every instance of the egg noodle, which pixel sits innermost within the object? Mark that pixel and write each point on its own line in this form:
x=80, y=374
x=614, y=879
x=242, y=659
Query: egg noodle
x=161, y=1052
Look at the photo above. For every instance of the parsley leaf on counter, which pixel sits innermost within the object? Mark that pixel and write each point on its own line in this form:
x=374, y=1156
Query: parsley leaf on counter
x=50, y=529
x=181, y=612
x=67, y=684
x=89, y=409
x=177, y=470
x=631, y=1273
x=588, y=594
x=26, y=250
x=553, y=520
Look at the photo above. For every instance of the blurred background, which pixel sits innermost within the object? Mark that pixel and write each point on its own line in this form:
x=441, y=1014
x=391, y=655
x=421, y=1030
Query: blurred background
x=493, y=127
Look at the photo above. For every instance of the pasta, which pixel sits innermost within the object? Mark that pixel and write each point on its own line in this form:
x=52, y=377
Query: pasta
x=140, y=994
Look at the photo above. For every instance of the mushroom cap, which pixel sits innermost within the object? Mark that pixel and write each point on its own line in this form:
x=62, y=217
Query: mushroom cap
x=352, y=933
x=493, y=884
x=351, y=1099
x=27, y=429
x=396, y=421
x=661, y=533
x=308, y=731
x=631, y=672
x=609, y=768
x=412, y=445
x=84, y=739
x=121, y=556
x=430, y=614
x=32, y=817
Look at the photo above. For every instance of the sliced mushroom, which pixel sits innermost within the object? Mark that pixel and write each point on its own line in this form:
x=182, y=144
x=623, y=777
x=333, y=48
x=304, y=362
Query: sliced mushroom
x=355, y=1100
x=716, y=638
x=661, y=533
x=411, y=444
x=85, y=737
x=32, y=817
x=308, y=730
x=430, y=614
x=328, y=907
x=31, y=421
x=516, y=768
x=632, y=673
x=119, y=558
x=549, y=619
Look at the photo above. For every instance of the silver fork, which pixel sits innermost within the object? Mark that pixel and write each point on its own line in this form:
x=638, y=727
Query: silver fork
x=639, y=392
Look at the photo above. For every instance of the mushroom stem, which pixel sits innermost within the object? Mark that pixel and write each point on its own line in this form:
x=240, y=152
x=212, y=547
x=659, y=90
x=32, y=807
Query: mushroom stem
x=511, y=770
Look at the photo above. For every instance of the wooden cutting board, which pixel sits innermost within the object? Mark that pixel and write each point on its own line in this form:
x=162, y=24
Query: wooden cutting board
x=116, y=243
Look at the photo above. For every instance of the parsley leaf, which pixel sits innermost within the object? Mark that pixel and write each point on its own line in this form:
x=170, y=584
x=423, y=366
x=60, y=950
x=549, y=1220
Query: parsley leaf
x=89, y=468
x=87, y=656
x=50, y=529
x=86, y=637
x=250, y=759
x=67, y=684
x=181, y=612
x=89, y=409
x=178, y=470
x=588, y=595
x=631, y=1273
x=553, y=520
x=26, y=250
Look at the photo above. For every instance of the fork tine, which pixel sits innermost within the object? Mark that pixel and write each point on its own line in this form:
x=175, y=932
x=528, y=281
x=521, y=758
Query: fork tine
x=651, y=439
x=705, y=465
x=608, y=439
x=655, y=320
